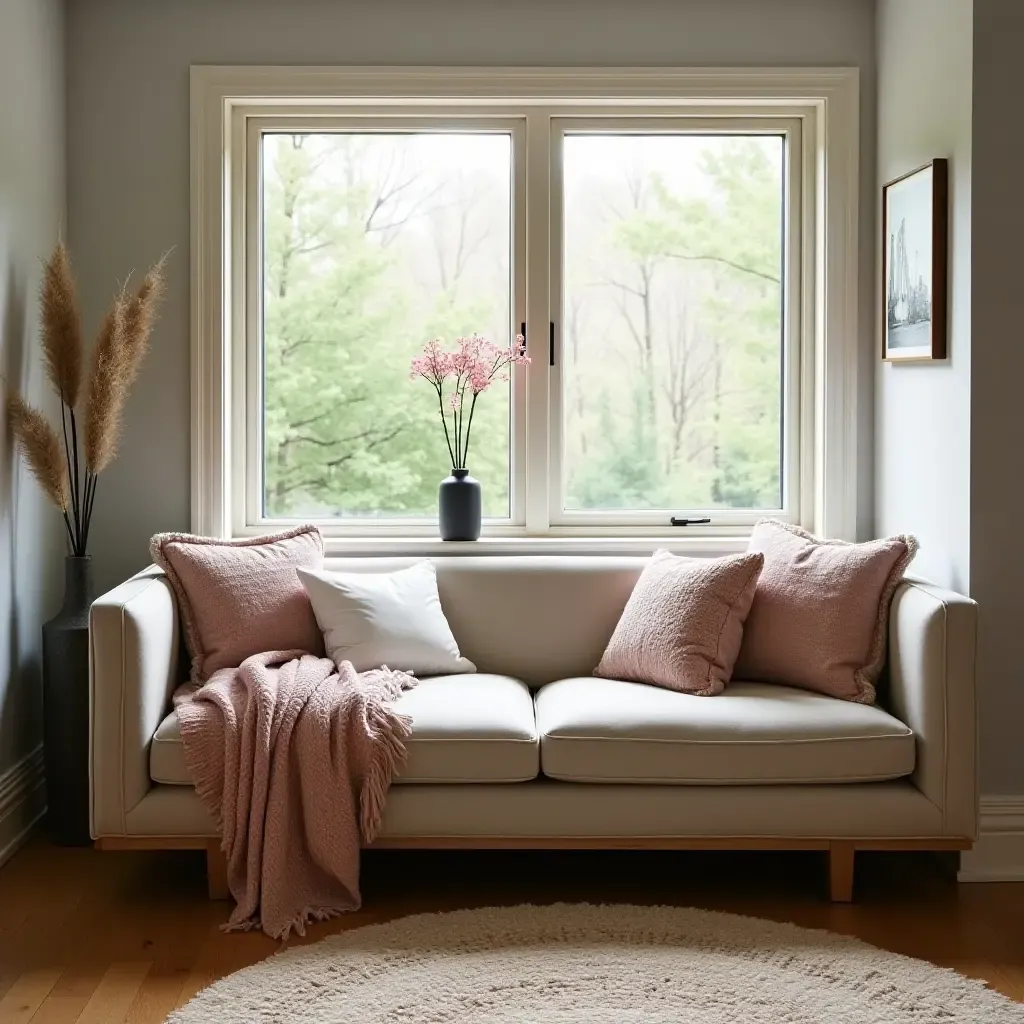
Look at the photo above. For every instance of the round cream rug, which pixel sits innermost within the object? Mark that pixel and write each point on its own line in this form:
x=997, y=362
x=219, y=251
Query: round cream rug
x=579, y=964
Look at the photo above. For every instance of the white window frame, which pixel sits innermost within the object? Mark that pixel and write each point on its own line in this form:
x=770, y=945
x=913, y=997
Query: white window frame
x=798, y=382
x=819, y=108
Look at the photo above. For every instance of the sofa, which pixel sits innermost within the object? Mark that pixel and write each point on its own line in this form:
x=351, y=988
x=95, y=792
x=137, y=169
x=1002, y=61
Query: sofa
x=532, y=751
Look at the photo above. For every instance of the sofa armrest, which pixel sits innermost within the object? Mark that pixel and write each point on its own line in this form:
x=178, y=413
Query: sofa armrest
x=133, y=670
x=932, y=689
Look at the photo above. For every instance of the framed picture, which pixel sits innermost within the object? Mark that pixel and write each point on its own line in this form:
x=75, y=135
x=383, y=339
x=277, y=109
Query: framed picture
x=914, y=225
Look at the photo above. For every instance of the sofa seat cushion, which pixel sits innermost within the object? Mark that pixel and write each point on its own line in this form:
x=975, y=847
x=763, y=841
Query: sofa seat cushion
x=606, y=730
x=465, y=728
x=470, y=728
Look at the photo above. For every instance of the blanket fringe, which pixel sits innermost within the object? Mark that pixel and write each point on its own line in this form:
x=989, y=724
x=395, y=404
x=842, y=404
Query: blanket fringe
x=307, y=915
x=391, y=731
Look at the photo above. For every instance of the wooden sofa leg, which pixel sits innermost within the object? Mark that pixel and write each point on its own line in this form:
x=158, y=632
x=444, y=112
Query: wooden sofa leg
x=217, y=871
x=840, y=871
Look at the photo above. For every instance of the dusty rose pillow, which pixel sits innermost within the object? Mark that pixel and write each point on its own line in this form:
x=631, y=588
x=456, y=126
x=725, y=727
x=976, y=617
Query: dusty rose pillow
x=820, y=615
x=241, y=597
x=683, y=623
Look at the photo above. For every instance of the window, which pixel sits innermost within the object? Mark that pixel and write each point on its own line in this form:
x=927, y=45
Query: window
x=373, y=242
x=664, y=254
x=674, y=347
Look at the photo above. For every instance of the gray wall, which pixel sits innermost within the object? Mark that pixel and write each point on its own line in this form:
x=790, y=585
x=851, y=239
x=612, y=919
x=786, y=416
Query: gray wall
x=31, y=211
x=997, y=408
x=948, y=435
x=128, y=197
x=923, y=410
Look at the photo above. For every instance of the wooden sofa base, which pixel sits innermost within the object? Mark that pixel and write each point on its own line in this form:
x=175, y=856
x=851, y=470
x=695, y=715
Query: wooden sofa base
x=840, y=851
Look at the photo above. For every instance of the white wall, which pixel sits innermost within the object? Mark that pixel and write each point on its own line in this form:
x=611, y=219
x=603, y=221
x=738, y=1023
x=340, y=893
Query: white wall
x=923, y=410
x=997, y=402
x=128, y=198
x=31, y=211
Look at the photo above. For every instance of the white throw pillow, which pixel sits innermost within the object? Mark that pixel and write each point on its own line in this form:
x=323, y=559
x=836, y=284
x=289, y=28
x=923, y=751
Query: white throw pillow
x=393, y=619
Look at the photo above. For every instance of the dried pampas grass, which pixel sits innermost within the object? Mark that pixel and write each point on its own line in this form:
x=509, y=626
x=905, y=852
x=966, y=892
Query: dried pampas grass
x=41, y=448
x=106, y=392
x=116, y=358
x=61, y=326
x=141, y=313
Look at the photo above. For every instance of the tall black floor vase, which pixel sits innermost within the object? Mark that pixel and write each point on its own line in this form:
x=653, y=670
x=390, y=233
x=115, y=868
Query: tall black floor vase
x=66, y=708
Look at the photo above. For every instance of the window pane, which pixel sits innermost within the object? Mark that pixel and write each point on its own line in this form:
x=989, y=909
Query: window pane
x=374, y=243
x=672, y=320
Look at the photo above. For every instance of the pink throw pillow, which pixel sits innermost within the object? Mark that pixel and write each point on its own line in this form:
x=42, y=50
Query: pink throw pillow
x=683, y=623
x=820, y=615
x=242, y=597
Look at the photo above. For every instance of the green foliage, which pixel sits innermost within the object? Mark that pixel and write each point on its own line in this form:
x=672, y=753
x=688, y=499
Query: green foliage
x=624, y=472
x=673, y=327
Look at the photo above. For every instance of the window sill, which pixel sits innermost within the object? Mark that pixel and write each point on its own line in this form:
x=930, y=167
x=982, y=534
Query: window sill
x=399, y=547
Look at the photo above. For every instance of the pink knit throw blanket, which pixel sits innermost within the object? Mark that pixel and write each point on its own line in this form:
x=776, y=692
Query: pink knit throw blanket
x=293, y=757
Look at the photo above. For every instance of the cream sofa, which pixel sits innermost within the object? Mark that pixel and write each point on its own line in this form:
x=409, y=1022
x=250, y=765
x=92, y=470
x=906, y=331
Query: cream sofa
x=534, y=752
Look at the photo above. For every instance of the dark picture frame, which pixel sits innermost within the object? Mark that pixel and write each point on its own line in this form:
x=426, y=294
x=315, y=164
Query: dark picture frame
x=915, y=212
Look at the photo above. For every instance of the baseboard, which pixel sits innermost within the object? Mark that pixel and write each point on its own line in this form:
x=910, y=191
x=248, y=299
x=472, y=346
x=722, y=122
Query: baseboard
x=998, y=855
x=22, y=801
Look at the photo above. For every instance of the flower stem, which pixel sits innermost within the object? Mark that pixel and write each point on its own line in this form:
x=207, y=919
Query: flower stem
x=444, y=423
x=77, y=491
x=459, y=414
x=90, y=500
x=71, y=482
x=469, y=427
x=71, y=533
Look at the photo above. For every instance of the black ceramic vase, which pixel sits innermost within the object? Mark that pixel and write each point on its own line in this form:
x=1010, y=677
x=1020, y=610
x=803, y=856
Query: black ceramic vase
x=459, y=506
x=66, y=708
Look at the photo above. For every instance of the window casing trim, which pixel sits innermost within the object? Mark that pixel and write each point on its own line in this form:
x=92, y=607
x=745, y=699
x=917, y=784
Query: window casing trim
x=823, y=103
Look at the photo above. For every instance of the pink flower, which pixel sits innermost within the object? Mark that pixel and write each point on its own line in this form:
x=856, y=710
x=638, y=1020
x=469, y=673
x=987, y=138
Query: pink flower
x=435, y=364
x=480, y=377
x=474, y=363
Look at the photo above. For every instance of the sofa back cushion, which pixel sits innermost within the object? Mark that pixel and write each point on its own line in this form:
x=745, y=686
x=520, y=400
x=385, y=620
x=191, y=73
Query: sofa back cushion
x=535, y=618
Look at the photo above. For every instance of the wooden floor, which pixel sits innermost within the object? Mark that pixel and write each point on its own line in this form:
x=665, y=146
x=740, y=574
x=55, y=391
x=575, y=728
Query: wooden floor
x=104, y=937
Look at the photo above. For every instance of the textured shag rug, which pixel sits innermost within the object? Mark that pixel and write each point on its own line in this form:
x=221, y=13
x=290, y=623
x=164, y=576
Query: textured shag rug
x=580, y=964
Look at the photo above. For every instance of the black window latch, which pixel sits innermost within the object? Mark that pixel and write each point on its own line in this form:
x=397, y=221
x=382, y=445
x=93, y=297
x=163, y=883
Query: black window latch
x=687, y=522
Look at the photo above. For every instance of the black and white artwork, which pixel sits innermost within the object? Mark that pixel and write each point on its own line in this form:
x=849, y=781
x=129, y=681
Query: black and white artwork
x=914, y=236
